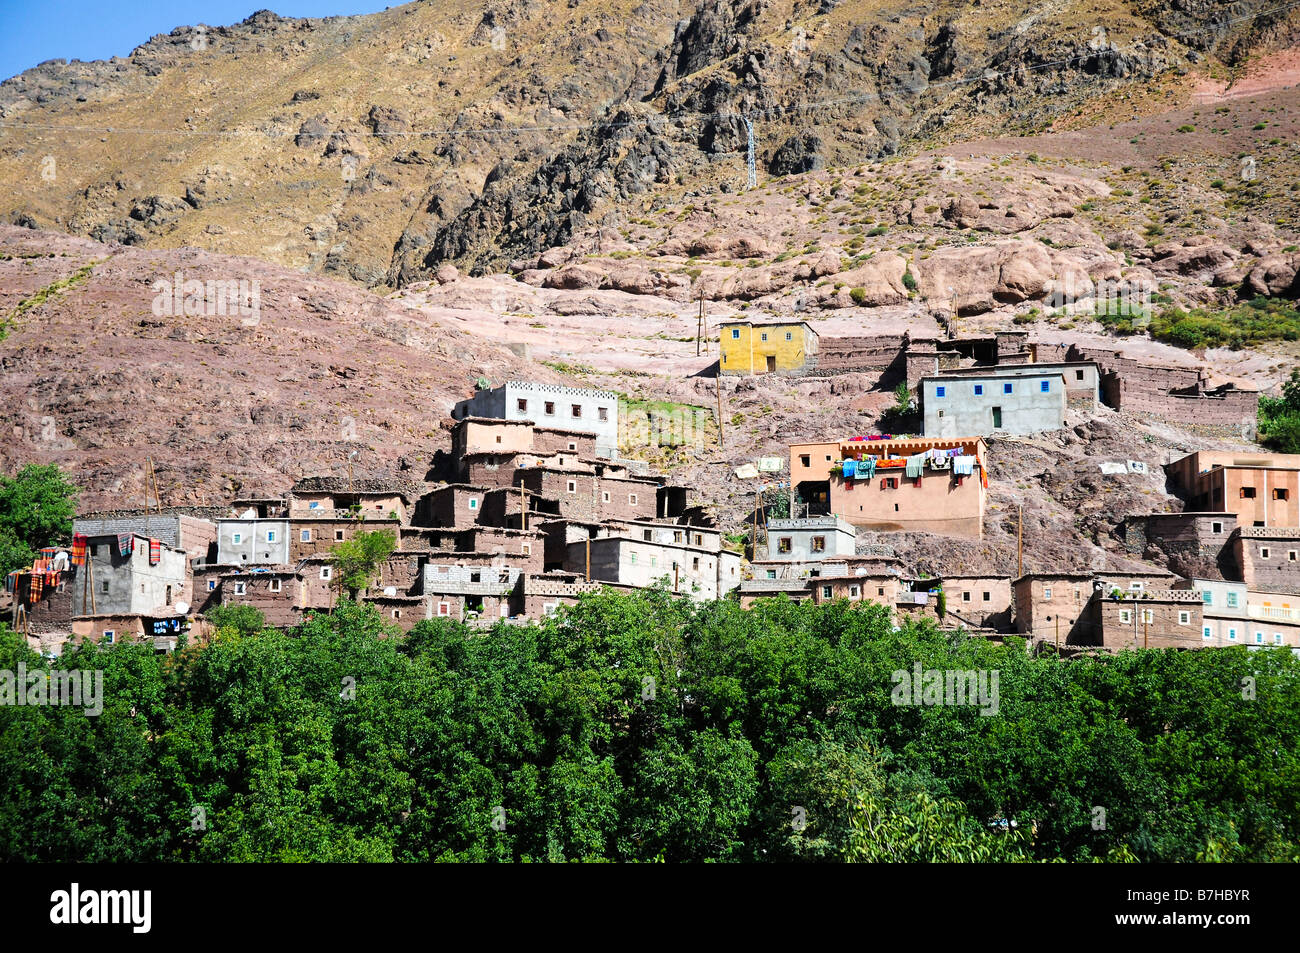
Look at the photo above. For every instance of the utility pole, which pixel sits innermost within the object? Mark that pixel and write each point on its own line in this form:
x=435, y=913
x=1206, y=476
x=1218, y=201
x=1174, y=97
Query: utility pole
x=719, y=380
x=588, y=559
x=1144, y=627
x=523, y=506
x=699, y=327
x=758, y=502
x=1020, y=552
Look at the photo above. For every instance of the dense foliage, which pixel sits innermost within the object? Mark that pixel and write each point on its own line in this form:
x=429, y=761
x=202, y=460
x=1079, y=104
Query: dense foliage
x=36, y=510
x=1279, y=418
x=643, y=727
x=1260, y=319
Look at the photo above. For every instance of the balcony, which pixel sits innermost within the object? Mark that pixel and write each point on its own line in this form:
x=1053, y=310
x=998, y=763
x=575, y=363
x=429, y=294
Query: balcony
x=1273, y=612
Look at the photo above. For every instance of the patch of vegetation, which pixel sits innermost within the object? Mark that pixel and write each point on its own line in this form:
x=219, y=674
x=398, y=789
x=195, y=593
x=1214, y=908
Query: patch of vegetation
x=44, y=295
x=1279, y=418
x=1263, y=319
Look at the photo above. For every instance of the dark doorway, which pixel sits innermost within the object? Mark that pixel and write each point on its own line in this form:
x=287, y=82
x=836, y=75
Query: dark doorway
x=771, y=364
x=997, y=418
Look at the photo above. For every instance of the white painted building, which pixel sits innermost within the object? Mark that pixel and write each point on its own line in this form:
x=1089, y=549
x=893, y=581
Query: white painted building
x=580, y=410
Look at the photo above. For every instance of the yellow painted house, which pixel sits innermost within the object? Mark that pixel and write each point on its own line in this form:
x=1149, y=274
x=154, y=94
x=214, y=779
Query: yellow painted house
x=777, y=348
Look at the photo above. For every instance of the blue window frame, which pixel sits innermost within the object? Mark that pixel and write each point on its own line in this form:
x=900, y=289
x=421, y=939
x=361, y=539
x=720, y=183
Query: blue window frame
x=1045, y=386
x=979, y=390
x=1208, y=596
x=735, y=333
x=940, y=391
x=1008, y=388
x=1205, y=632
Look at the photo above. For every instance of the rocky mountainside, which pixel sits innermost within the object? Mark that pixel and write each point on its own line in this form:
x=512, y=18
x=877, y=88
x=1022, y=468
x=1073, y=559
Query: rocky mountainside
x=378, y=147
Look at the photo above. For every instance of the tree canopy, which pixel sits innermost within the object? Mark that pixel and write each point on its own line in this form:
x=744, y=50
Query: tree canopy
x=641, y=727
x=36, y=510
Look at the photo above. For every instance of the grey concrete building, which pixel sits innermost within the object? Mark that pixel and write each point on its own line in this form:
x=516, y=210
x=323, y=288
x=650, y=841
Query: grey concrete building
x=117, y=583
x=813, y=538
x=178, y=530
x=252, y=542
x=979, y=404
x=634, y=561
x=579, y=410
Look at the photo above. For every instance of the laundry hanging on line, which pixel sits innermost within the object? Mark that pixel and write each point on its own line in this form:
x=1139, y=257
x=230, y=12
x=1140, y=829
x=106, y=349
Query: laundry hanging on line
x=963, y=465
x=155, y=551
x=125, y=544
x=915, y=466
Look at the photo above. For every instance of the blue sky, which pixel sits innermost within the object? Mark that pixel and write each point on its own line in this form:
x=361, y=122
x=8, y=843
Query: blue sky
x=32, y=31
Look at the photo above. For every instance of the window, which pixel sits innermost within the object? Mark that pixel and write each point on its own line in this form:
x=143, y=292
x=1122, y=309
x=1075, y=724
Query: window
x=110, y=636
x=1045, y=386
x=979, y=390
x=854, y=592
x=771, y=574
x=522, y=405
x=1291, y=555
x=988, y=597
x=270, y=536
x=1047, y=592
x=695, y=562
x=1216, y=527
x=1277, y=638
x=819, y=544
x=305, y=536
x=1135, y=587
x=1184, y=618
x=633, y=560
x=1263, y=552
x=677, y=536
x=654, y=561
x=550, y=408
x=241, y=588
x=604, y=497
x=493, y=458
x=1279, y=493
x=1247, y=492
x=699, y=539
x=764, y=336
x=735, y=334
x=647, y=535
x=783, y=544
x=602, y=413
x=577, y=410
x=573, y=446
x=472, y=502
x=1125, y=616
x=1008, y=388
x=789, y=336
x=890, y=483
x=1148, y=615
x=274, y=585
x=338, y=536
x=1205, y=632
x=880, y=591
x=571, y=486
x=1232, y=635
x=941, y=391
x=631, y=498
x=965, y=597
x=1232, y=600
x=1078, y=375
x=237, y=538
x=314, y=505
x=326, y=572
x=826, y=592
x=805, y=459
x=1207, y=597
x=103, y=586
x=212, y=585
x=397, y=613
x=476, y=576
x=1259, y=638
x=941, y=413
x=528, y=549
x=444, y=608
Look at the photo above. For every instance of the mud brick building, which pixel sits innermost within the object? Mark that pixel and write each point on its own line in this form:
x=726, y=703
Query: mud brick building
x=752, y=590
x=1176, y=392
x=464, y=592
x=1189, y=539
x=982, y=602
x=339, y=497
x=1261, y=489
x=580, y=410
x=627, y=558
x=931, y=357
x=1065, y=607
x=883, y=354
x=1269, y=557
x=1157, y=618
x=275, y=591
x=882, y=589
x=313, y=535
x=589, y=496
x=939, y=501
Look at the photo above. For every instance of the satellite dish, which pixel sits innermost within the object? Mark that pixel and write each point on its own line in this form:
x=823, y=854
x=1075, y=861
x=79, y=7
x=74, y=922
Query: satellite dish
x=182, y=608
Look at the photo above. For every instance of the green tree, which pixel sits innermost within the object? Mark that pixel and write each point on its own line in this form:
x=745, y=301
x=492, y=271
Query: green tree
x=356, y=561
x=36, y=509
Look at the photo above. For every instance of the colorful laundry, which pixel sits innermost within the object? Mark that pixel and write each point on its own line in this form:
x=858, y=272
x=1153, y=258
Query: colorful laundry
x=849, y=469
x=867, y=468
x=79, y=549
x=155, y=551
x=125, y=544
x=915, y=465
x=963, y=465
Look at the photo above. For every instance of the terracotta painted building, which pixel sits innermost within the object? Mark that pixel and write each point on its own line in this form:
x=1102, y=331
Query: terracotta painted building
x=1261, y=489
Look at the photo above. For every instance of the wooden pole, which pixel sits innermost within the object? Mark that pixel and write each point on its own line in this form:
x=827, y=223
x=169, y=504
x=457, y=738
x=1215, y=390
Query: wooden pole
x=1144, y=627
x=1020, y=552
x=719, y=379
x=90, y=578
x=588, y=573
x=699, y=327
x=523, y=512
x=676, y=576
x=758, y=501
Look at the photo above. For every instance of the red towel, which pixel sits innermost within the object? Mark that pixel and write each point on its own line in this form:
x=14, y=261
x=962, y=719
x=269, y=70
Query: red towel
x=79, y=550
x=155, y=551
